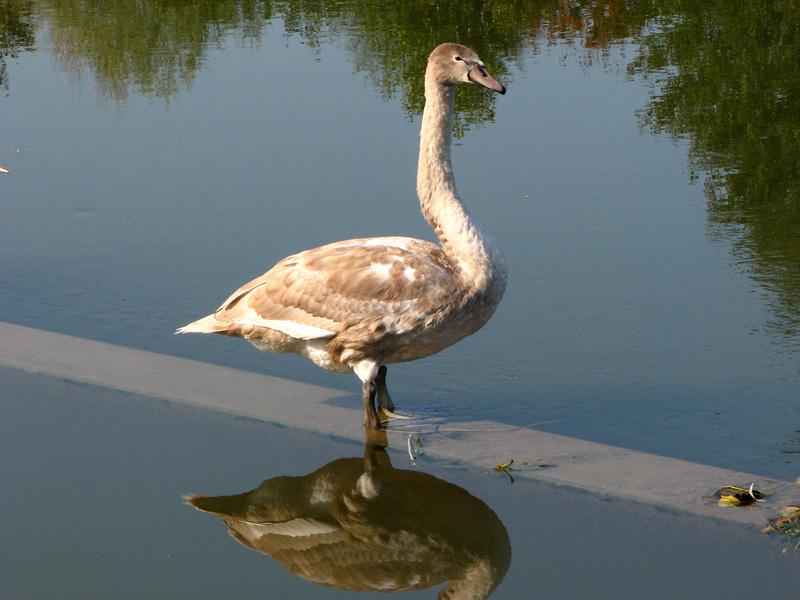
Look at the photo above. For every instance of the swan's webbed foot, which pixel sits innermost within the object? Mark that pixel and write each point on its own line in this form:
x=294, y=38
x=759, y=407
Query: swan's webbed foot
x=368, y=392
x=381, y=393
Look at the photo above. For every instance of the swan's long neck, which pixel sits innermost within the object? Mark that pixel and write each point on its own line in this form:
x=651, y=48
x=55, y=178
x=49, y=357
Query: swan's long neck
x=481, y=262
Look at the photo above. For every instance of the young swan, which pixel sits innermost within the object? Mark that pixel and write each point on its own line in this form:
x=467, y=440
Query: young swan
x=358, y=305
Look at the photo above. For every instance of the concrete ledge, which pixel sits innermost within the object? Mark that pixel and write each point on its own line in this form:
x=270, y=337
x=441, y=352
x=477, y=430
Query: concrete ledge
x=607, y=470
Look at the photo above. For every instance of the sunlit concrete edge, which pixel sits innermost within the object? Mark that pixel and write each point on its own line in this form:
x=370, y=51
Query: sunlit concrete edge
x=606, y=470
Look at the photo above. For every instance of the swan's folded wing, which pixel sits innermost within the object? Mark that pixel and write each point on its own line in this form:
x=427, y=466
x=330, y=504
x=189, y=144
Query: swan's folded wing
x=312, y=294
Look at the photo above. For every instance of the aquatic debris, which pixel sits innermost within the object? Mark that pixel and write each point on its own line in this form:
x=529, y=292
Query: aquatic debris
x=786, y=522
x=506, y=467
x=733, y=495
x=417, y=451
x=2, y=170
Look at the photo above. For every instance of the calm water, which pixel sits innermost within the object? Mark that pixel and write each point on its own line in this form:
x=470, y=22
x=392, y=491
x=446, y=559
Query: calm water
x=653, y=239
x=103, y=516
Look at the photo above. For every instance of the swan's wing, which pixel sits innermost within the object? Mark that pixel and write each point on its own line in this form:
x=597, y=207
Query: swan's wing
x=315, y=293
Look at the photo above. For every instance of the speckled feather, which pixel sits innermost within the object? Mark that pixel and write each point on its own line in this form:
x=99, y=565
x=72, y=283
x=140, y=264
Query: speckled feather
x=380, y=289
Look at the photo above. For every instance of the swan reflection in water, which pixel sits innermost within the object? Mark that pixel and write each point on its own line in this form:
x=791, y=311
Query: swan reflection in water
x=362, y=525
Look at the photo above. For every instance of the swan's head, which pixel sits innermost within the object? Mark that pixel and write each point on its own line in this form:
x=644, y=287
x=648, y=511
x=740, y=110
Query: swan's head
x=454, y=63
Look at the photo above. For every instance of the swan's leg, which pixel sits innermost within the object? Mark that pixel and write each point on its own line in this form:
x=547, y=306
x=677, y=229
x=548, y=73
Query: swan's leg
x=370, y=414
x=381, y=393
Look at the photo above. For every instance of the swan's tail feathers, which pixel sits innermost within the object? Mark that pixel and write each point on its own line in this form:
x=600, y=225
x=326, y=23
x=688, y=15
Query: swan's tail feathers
x=205, y=325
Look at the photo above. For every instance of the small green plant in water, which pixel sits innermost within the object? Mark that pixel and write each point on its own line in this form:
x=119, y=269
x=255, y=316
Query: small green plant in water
x=415, y=447
x=506, y=467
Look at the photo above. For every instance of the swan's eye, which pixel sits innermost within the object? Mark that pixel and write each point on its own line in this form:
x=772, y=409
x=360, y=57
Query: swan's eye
x=459, y=58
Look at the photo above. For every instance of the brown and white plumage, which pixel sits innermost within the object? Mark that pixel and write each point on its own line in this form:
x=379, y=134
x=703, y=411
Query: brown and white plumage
x=358, y=305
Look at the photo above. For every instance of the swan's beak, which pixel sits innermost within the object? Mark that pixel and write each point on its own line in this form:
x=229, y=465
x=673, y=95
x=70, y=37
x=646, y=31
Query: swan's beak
x=479, y=75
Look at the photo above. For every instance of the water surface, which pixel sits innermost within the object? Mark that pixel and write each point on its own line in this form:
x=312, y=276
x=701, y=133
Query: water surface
x=644, y=193
x=94, y=479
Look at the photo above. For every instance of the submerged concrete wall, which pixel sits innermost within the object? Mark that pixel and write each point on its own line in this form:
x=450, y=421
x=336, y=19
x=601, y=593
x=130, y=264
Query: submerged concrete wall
x=607, y=470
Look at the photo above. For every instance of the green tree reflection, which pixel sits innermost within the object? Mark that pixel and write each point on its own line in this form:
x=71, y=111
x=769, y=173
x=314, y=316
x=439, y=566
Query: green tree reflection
x=17, y=32
x=728, y=79
x=154, y=47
